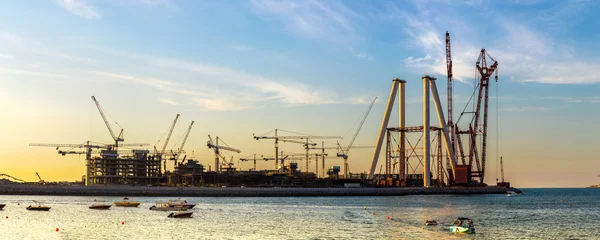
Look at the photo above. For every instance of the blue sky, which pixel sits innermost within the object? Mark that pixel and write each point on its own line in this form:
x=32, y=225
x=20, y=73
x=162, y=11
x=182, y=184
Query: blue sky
x=240, y=67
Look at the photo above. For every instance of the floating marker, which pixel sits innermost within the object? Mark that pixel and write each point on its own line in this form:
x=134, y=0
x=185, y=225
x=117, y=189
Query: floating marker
x=365, y=208
x=57, y=229
x=388, y=217
x=123, y=223
x=373, y=213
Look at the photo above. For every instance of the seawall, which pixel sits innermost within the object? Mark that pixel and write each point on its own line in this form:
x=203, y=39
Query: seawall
x=116, y=190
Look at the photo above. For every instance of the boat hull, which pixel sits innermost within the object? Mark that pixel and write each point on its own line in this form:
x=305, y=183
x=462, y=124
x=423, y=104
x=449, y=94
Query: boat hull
x=458, y=229
x=2, y=206
x=155, y=208
x=100, y=207
x=184, y=206
x=181, y=215
x=33, y=208
x=127, y=204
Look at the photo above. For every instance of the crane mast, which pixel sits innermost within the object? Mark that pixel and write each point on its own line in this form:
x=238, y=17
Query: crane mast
x=217, y=148
x=182, y=144
x=450, y=83
x=112, y=134
x=485, y=73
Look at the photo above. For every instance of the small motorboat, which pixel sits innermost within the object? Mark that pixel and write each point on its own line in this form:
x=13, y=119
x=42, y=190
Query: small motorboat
x=127, y=203
x=430, y=223
x=2, y=206
x=511, y=193
x=463, y=225
x=181, y=203
x=181, y=214
x=162, y=206
x=100, y=206
x=39, y=206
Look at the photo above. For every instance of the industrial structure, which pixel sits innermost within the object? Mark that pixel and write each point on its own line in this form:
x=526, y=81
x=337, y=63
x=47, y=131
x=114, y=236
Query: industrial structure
x=452, y=153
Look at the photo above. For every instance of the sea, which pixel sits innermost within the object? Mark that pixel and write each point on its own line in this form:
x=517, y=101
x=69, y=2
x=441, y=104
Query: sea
x=536, y=214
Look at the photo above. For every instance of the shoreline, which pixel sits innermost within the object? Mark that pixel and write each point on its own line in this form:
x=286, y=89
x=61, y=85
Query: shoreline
x=143, y=191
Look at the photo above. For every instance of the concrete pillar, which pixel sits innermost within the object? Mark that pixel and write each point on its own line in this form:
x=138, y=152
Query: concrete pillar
x=402, y=125
x=426, y=138
x=384, y=124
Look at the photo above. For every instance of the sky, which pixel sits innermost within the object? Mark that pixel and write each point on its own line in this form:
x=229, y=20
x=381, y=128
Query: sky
x=239, y=68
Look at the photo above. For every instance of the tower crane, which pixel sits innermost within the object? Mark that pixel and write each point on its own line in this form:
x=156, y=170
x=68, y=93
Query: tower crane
x=450, y=83
x=278, y=138
x=161, y=154
x=254, y=159
x=344, y=151
x=176, y=157
x=217, y=148
x=118, y=138
x=40, y=178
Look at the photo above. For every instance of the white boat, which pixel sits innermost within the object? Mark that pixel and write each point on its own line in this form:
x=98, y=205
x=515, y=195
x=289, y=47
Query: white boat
x=99, y=205
x=181, y=203
x=463, y=225
x=39, y=206
x=181, y=214
x=165, y=206
x=511, y=194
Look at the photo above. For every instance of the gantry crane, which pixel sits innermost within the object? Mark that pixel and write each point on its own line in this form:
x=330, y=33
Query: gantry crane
x=176, y=156
x=217, y=148
x=278, y=138
x=161, y=154
x=118, y=138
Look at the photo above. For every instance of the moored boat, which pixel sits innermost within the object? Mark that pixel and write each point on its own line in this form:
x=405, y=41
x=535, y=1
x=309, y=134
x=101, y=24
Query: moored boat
x=430, y=222
x=100, y=206
x=127, y=203
x=463, y=225
x=511, y=193
x=181, y=214
x=181, y=203
x=39, y=206
x=162, y=206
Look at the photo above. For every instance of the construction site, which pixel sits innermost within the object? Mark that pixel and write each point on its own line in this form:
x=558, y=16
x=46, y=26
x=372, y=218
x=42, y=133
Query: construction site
x=451, y=153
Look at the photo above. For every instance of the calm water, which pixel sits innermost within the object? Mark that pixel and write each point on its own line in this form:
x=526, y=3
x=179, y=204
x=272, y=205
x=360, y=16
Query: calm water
x=538, y=214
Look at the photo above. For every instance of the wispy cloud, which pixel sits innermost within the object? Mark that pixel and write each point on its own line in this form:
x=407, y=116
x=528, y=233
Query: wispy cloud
x=525, y=109
x=168, y=101
x=80, y=8
x=328, y=20
x=6, y=56
x=523, y=54
x=365, y=57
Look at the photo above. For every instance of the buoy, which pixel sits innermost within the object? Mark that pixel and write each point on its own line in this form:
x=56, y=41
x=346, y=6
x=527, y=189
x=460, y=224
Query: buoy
x=373, y=213
x=329, y=204
x=57, y=229
x=123, y=222
x=365, y=208
x=388, y=217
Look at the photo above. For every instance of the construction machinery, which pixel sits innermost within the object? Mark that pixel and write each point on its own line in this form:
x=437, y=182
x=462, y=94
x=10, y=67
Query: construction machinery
x=277, y=138
x=217, y=149
x=343, y=152
x=161, y=154
x=176, y=156
x=118, y=138
x=41, y=181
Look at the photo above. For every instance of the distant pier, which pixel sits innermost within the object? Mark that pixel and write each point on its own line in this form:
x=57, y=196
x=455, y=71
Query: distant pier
x=116, y=190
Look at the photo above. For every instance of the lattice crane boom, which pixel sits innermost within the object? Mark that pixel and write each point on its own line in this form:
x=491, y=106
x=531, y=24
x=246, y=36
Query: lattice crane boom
x=187, y=133
x=112, y=134
x=169, y=135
